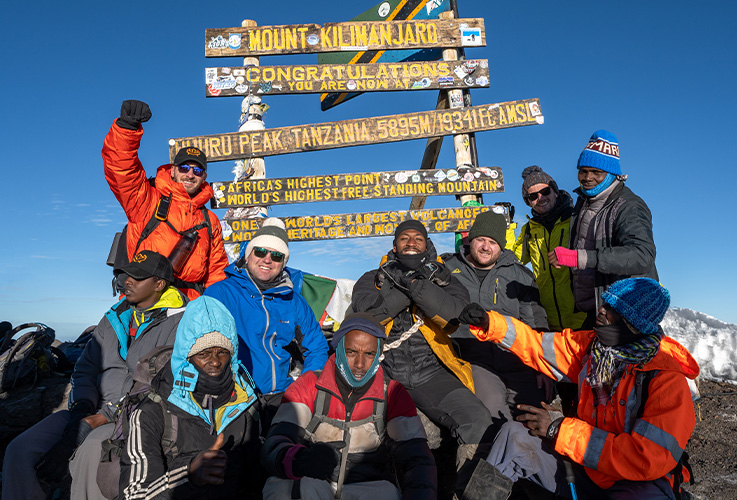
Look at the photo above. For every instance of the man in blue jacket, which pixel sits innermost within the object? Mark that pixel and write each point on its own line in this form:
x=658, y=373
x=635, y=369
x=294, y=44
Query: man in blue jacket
x=269, y=314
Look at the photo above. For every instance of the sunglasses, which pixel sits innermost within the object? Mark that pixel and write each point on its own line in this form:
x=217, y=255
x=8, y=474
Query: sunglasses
x=261, y=252
x=183, y=169
x=533, y=196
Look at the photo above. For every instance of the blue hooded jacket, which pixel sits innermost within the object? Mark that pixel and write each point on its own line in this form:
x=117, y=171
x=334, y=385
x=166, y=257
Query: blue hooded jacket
x=204, y=315
x=267, y=322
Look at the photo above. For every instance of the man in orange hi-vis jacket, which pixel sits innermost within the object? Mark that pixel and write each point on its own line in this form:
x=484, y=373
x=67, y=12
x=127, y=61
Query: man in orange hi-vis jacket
x=634, y=415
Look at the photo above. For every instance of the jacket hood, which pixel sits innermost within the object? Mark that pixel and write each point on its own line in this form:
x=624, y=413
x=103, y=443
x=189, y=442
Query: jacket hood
x=203, y=315
x=166, y=185
x=673, y=356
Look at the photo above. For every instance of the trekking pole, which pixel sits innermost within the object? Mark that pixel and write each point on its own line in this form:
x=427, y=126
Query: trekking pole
x=571, y=478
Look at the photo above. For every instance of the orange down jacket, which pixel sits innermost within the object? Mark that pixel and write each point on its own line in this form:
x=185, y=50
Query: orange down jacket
x=609, y=441
x=139, y=199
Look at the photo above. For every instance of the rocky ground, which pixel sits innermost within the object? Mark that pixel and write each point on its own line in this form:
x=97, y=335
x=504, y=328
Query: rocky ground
x=712, y=448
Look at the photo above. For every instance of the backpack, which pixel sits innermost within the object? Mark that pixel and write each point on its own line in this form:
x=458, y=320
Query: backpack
x=118, y=255
x=28, y=358
x=67, y=353
x=108, y=471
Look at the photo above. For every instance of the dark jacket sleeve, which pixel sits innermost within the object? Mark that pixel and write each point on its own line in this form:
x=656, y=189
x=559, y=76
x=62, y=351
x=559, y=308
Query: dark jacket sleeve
x=87, y=370
x=531, y=310
x=633, y=250
x=281, y=437
x=440, y=303
x=384, y=304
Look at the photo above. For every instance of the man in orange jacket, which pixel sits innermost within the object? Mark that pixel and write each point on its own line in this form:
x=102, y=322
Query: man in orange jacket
x=634, y=415
x=173, y=205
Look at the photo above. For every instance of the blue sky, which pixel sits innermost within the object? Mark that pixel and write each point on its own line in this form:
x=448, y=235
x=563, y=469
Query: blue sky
x=659, y=75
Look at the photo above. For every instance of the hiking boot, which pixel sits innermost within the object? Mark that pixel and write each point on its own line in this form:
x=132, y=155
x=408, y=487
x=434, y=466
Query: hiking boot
x=487, y=483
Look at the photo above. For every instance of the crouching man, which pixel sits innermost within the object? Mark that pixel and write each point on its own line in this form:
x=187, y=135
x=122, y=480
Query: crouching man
x=215, y=439
x=634, y=414
x=337, y=434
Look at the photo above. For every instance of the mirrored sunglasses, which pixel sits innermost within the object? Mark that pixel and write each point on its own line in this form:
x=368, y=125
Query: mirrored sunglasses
x=183, y=169
x=533, y=196
x=261, y=252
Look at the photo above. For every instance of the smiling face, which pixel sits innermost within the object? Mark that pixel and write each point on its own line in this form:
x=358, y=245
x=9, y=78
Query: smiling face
x=483, y=252
x=589, y=177
x=212, y=361
x=188, y=180
x=542, y=204
x=144, y=293
x=410, y=242
x=360, y=351
x=263, y=268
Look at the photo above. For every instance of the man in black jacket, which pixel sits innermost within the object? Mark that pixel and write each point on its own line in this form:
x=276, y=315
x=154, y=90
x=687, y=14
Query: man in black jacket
x=415, y=297
x=611, y=228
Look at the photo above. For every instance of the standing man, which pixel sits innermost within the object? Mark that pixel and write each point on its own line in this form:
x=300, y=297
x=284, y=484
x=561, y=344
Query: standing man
x=497, y=281
x=146, y=318
x=628, y=437
x=549, y=227
x=350, y=432
x=415, y=297
x=611, y=228
x=177, y=198
x=269, y=314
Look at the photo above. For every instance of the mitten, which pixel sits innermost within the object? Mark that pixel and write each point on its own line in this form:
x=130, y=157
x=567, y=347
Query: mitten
x=475, y=315
x=436, y=272
x=133, y=113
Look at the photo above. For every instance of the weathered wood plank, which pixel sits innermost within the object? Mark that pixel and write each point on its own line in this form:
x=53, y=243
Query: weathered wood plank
x=357, y=186
x=318, y=78
x=357, y=225
x=361, y=131
x=350, y=36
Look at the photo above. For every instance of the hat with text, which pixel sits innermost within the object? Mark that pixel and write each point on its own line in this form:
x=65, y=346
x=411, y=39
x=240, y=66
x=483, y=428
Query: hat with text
x=191, y=154
x=146, y=264
x=602, y=152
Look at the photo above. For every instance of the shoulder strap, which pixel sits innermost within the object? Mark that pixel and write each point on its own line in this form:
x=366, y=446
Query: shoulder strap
x=171, y=427
x=380, y=412
x=322, y=404
x=642, y=387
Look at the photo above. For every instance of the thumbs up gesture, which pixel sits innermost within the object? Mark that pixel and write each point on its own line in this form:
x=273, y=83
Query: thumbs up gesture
x=208, y=467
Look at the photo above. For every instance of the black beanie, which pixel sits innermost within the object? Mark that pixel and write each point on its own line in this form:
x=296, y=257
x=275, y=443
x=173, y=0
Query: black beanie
x=410, y=224
x=535, y=175
x=491, y=225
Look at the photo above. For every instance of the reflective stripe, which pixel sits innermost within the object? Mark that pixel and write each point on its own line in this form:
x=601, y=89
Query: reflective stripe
x=594, y=447
x=510, y=335
x=629, y=411
x=548, y=343
x=659, y=437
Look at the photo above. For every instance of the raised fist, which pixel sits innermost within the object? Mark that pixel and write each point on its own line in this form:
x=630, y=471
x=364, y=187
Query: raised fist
x=133, y=113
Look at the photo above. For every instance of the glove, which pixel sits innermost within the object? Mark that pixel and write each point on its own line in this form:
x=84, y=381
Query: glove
x=132, y=114
x=318, y=461
x=475, y=315
x=566, y=257
x=54, y=465
x=435, y=272
x=396, y=274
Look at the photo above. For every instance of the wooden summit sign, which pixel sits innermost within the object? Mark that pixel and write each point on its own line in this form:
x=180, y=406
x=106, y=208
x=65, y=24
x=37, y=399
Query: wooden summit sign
x=356, y=225
x=361, y=131
x=358, y=186
x=337, y=37
x=318, y=78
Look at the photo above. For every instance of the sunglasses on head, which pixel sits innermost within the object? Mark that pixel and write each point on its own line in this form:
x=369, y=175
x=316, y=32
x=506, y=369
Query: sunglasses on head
x=183, y=169
x=533, y=196
x=261, y=252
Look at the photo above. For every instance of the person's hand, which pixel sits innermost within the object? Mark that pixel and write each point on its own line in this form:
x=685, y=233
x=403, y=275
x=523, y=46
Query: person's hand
x=435, y=272
x=396, y=274
x=208, y=467
x=561, y=256
x=475, y=315
x=547, y=383
x=133, y=113
x=319, y=460
x=539, y=420
x=54, y=464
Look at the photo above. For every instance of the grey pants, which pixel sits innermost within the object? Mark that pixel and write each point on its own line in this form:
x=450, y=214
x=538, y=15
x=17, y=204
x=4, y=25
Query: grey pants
x=21, y=455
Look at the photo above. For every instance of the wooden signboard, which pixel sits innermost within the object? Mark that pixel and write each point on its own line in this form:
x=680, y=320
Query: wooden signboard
x=361, y=131
x=386, y=10
x=317, y=78
x=337, y=37
x=357, y=225
x=358, y=186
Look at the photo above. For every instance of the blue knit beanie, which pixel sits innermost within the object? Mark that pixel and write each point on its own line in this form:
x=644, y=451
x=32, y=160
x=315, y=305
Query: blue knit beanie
x=601, y=152
x=358, y=321
x=641, y=301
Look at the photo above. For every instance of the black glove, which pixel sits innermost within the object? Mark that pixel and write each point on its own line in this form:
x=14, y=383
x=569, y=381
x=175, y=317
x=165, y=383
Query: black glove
x=133, y=113
x=435, y=272
x=474, y=314
x=399, y=276
x=318, y=461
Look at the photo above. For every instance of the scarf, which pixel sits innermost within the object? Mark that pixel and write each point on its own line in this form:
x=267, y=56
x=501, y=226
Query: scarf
x=607, y=363
x=600, y=187
x=414, y=262
x=341, y=362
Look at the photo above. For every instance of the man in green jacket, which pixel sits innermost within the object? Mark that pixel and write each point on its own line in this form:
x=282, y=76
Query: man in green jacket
x=548, y=228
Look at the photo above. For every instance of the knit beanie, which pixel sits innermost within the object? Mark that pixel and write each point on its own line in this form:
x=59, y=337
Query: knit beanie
x=535, y=175
x=491, y=225
x=641, y=301
x=208, y=340
x=601, y=152
x=358, y=321
x=410, y=224
x=273, y=234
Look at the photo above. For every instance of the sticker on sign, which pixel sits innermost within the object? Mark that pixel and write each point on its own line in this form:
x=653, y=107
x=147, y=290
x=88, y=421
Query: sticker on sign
x=471, y=37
